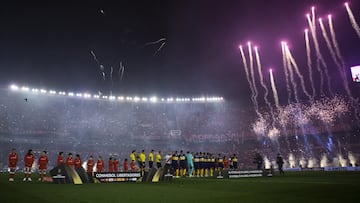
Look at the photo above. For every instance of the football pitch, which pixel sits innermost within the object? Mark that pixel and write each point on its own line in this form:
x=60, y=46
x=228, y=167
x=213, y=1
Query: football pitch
x=293, y=187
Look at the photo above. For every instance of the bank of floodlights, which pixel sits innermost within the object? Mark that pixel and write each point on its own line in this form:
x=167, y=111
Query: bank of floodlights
x=135, y=99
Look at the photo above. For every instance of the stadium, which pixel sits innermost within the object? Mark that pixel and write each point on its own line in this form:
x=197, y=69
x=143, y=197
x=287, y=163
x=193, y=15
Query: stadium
x=190, y=116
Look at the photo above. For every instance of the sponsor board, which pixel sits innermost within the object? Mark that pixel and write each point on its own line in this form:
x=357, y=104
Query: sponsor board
x=118, y=177
x=313, y=169
x=292, y=169
x=341, y=168
x=245, y=174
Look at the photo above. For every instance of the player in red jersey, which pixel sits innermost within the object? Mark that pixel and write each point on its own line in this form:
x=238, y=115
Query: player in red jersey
x=60, y=158
x=226, y=163
x=116, y=165
x=13, y=159
x=111, y=165
x=90, y=165
x=28, y=160
x=133, y=166
x=42, y=162
x=69, y=160
x=77, y=162
x=126, y=166
x=100, y=165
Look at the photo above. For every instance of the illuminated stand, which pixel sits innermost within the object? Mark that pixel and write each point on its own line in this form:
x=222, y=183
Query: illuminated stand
x=120, y=98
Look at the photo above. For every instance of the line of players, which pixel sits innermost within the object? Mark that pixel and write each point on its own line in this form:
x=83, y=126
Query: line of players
x=180, y=164
x=28, y=161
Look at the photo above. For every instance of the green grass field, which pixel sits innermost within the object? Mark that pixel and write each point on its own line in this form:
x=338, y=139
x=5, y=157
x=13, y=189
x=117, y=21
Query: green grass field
x=294, y=187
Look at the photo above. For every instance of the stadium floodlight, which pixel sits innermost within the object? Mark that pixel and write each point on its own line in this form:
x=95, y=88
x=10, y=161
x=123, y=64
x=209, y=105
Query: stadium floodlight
x=153, y=99
x=14, y=87
x=136, y=99
x=71, y=94
x=25, y=89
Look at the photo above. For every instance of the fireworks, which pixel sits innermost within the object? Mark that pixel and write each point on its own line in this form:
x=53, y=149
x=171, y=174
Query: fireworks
x=257, y=56
x=162, y=41
x=274, y=133
x=319, y=113
x=251, y=80
x=273, y=87
x=353, y=22
x=292, y=160
x=283, y=44
x=309, y=62
x=260, y=126
x=297, y=71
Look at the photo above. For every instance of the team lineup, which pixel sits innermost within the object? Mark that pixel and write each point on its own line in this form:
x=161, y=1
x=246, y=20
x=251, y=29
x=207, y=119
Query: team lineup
x=199, y=164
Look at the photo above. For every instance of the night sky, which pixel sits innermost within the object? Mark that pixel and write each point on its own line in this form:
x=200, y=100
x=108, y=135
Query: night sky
x=48, y=45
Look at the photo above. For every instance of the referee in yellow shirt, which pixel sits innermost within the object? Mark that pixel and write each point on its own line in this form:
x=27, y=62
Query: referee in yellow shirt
x=158, y=159
x=142, y=159
x=151, y=159
x=132, y=156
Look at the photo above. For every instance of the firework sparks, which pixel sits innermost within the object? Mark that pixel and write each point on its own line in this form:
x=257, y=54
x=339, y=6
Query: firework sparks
x=317, y=51
x=309, y=62
x=283, y=44
x=274, y=89
x=258, y=62
x=297, y=71
x=162, y=41
x=353, y=21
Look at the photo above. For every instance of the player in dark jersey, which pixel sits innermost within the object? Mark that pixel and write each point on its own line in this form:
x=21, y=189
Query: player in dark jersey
x=175, y=164
x=212, y=165
x=234, y=161
x=196, y=164
x=201, y=163
x=280, y=163
x=220, y=161
x=183, y=167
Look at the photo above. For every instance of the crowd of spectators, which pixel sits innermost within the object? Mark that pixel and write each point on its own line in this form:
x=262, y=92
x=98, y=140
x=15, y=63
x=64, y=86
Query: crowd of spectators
x=58, y=123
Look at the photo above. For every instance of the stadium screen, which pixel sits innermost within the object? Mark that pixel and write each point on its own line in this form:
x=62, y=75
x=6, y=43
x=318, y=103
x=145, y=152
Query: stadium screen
x=355, y=72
